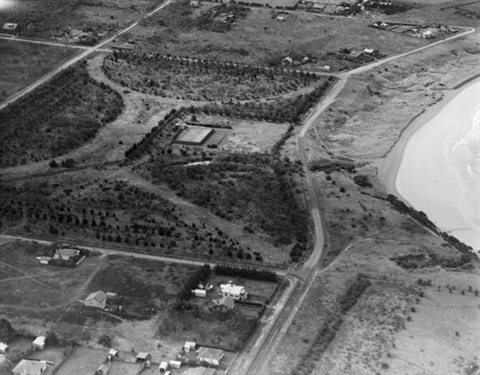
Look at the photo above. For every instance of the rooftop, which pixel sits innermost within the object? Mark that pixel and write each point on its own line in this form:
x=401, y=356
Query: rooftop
x=29, y=367
x=210, y=353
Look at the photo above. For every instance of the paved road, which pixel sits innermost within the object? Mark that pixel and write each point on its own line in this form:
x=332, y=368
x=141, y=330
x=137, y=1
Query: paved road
x=80, y=56
x=256, y=361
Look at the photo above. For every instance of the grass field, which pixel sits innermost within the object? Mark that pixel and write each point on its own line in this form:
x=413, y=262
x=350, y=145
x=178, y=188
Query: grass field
x=143, y=284
x=82, y=361
x=27, y=283
x=51, y=18
x=259, y=39
x=23, y=63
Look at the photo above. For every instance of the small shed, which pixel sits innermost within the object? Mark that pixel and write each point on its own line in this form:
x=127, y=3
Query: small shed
x=175, y=364
x=368, y=51
x=189, y=345
x=326, y=68
x=3, y=348
x=111, y=295
x=102, y=370
x=113, y=352
x=43, y=260
x=10, y=26
x=143, y=356
x=39, y=343
x=200, y=293
x=163, y=366
x=287, y=61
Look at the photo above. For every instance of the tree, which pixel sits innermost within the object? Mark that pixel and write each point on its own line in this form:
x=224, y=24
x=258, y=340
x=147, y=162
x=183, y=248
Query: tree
x=6, y=330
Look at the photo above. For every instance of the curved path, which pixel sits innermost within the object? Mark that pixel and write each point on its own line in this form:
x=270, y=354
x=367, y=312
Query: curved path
x=257, y=360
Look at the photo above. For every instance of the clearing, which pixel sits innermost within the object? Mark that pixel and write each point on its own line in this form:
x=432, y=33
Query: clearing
x=22, y=63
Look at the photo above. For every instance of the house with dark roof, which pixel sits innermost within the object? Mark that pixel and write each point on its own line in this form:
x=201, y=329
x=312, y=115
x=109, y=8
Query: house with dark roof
x=66, y=254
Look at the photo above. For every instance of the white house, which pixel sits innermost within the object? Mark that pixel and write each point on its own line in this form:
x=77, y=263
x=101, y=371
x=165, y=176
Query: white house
x=97, y=299
x=112, y=352
x=175, y=364
x=189, y=345
x=10, y=26
x=29, y=367
x=39, y=343
x=43, y=260
x=199, y=293
x=210, y=355
x=3, y=348
x=66, y=254
x=236, y=292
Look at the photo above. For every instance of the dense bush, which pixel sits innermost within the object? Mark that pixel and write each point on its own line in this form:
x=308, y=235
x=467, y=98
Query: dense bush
x=353, y=293
x=56, y=118
x=249, y=273
x=362, y=180
x=198, y=277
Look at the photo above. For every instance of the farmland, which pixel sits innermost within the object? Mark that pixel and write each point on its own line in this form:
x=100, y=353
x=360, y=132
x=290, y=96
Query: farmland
x=23, y=63
x=56, y=118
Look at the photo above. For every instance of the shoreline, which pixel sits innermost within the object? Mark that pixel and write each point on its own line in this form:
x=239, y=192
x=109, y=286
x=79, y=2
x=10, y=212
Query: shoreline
x=389, y=165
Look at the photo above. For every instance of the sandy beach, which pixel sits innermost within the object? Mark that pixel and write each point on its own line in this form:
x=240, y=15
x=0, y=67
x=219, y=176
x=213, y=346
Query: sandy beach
x=434, y=165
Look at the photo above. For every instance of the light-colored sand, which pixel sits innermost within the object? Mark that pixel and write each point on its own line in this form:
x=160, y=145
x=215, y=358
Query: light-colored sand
x=423, y=169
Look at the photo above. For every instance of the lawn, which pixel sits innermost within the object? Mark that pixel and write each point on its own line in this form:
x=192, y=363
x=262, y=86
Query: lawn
x=22, y=63
x=144, y=286
x=52, y=18
x=82, y=361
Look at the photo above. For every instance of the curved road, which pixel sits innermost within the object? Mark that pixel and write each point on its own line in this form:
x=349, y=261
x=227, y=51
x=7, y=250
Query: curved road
x=257, y=359
x=85, y=53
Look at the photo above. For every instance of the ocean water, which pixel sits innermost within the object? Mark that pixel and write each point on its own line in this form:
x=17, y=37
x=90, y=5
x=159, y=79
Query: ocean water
x=440, y=169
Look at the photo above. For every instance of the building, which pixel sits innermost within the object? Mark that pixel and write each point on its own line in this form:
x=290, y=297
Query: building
x=3, y=348
x=287, y=61
x=199, y=293
x=236, y=292
x=97, y=299
x=39, y=343
x=102, y=370
x=200, y=371
x=175, y=364
x=66, y=254
x=428, y=34
x=29, y=367
x=111, y=295
x=209, y=355
x=368, y=51
x=189, y=345
x=163, y=366
x=143, y=356
x=224, y=303
x=10, y=26
x=44, y=260
x=112, y=352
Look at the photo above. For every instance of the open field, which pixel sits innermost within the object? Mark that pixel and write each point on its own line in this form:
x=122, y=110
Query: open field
x=143, y=286
x=55, y=118
x=45, y=287
x=67, y=19
x=23, y=63
x=263, y=39
x=82, y=361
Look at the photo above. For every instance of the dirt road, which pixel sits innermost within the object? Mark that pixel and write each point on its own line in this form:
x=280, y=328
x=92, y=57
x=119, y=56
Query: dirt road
x=256, y=360
x=81, y=56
